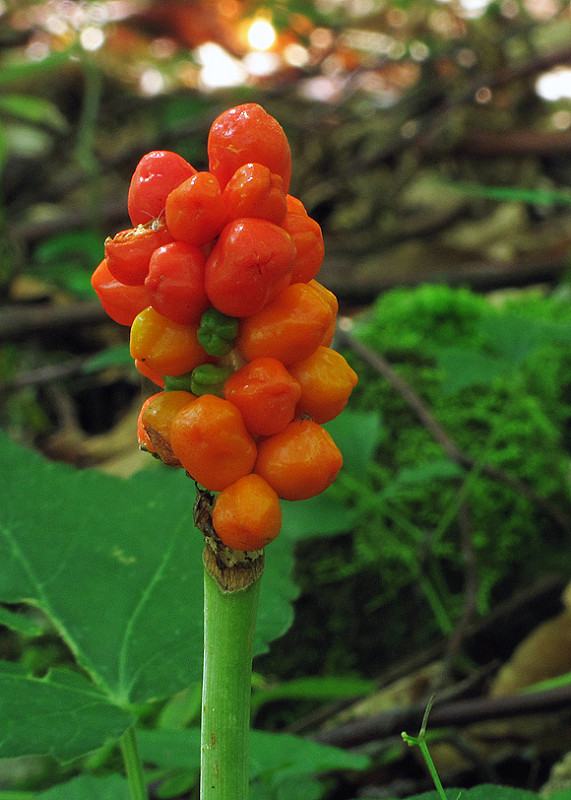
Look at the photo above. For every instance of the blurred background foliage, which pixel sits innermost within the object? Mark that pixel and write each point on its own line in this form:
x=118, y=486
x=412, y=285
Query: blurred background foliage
x=432, y=142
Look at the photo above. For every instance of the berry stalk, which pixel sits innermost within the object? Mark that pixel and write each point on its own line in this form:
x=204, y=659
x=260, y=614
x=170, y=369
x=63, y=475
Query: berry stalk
x=231, y=592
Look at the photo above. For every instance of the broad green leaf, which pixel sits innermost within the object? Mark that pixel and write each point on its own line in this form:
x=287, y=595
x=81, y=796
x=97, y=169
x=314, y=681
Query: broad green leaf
x=327, y=688
x=116, y=565
x=34, y=109
x=277, y=593
x=319, y=516
x=550, y=683
x=19, y=622
x=441, y=469
x=488, y=791
x=30, y=707
x=305, y=787
x=513, y=337
x=464, y=367
x=26, y=69
x=88, y=787
x=284, y=756
x=68, y=260
x=278, y=754
x=511, y=193
x=357, y=435
x=117, y=356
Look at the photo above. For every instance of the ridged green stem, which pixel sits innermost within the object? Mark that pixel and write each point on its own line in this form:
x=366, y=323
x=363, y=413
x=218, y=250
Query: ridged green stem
x=133, y=766
x=229, y=622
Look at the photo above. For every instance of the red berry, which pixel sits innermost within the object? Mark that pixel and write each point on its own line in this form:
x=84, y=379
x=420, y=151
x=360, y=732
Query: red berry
x=155, y=176
x=246, y=134
x=175, y=282
x=250, y=264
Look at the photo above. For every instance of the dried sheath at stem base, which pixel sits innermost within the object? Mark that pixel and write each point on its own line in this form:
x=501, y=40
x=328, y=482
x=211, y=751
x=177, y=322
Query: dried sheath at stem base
x=233, y=570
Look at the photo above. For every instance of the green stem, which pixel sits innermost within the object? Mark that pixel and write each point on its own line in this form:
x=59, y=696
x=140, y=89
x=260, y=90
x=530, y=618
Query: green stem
x=133, y=766
x=420, y=741
x=229, y=622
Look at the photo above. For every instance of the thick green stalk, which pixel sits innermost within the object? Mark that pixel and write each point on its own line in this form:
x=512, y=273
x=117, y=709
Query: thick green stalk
x=229, y=622
x=231, y=591
x=133, y=766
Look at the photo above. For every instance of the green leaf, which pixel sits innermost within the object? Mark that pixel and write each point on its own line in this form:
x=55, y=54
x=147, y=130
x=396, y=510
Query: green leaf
x=68, y=260
x=284, y=756
x=306, y=787
x=279, y=754
x=34, y=109
x=488, y=791
x=88, y=787
x=30, y=706
x=116, y=565
x=511, y=193
x=323, y=515
x=19, y=622
x=464, y=367
x=118, y=356
x=277, y=593
x=357, y=434
x=328, y=688
x=440, y=469
x=26, y=69
x=513, y=337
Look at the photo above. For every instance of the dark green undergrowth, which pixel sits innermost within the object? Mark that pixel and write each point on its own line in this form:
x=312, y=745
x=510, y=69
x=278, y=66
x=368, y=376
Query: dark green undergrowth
x=495, y=375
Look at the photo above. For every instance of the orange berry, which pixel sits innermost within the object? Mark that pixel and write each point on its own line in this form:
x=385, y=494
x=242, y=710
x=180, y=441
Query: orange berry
x=326, y=381
x=195, y=212
x=308, y=241
x=122, y=303
x=333, y=304
x=254, y=191
x=149, y=373
x=210, y=440
x=157, y=418
x=299, y=462
x=167, y=347
x=143, y=437
x=290, y=327
x=247, y=514
x=265, y=394
x=245, y=134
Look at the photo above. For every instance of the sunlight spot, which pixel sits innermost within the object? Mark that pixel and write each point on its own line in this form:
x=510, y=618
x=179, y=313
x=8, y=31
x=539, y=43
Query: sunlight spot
x=151, y=82
x=91, y=38
x=561, y=120
x=296, y=55
x=554, y=85
x=261, y=64
x=261, y=34
x=483, y=95
x=219, y=68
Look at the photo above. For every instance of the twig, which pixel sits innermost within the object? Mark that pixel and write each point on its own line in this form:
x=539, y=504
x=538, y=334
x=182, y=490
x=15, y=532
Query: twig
x=460, y=712
x=18, y=322
x=381, y=365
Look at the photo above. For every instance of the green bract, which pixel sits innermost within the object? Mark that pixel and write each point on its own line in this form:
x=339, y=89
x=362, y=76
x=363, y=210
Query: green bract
x=217, y=332
x=178, y=383
x=209, y=379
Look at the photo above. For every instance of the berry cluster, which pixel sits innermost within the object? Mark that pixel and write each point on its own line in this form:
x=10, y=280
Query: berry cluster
x=216, y=279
